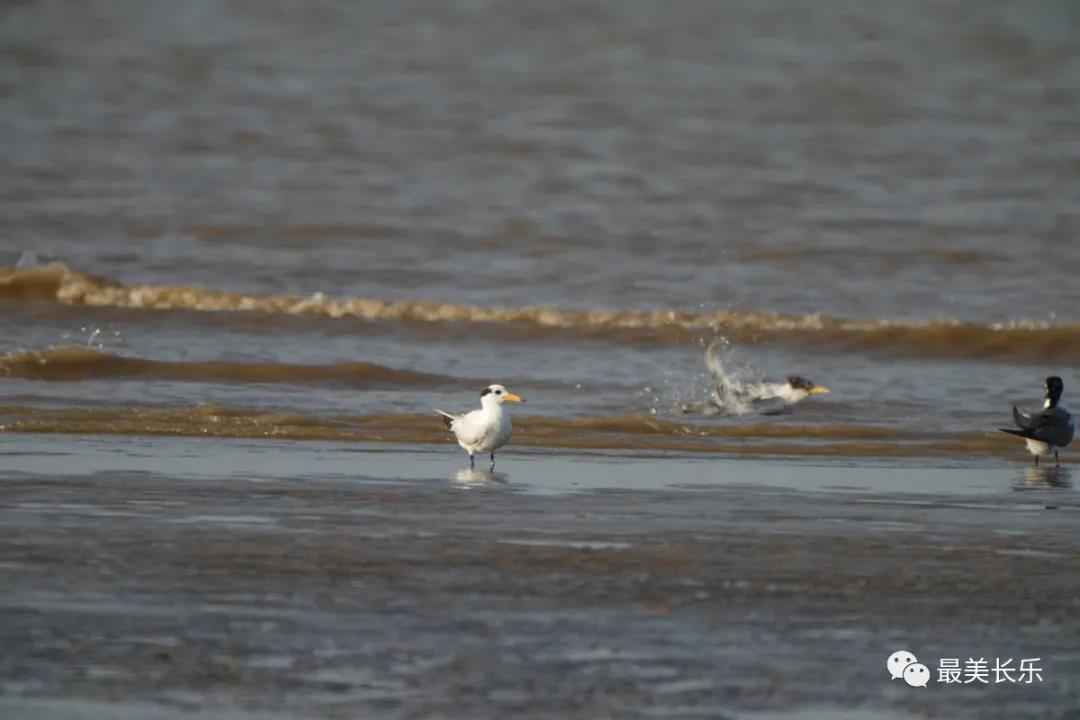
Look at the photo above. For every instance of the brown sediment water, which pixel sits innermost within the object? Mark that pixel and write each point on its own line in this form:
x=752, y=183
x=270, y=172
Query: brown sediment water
x=625, y=433
x=74, y=363
x=1013, y=340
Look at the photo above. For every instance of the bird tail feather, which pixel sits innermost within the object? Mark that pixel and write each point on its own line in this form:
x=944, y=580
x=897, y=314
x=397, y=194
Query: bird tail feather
x=1018, y=433
x=447, y=418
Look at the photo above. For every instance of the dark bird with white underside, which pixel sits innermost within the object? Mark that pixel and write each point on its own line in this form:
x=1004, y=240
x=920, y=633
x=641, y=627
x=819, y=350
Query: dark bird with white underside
x=1049, y=429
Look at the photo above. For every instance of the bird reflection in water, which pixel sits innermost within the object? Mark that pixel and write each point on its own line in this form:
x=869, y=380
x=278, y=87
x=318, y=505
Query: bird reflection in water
x=1043, y=476
x=469, y=477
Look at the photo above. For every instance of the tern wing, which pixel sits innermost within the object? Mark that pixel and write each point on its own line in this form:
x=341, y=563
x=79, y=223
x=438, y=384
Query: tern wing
x=772, y=406
x=767, y=393
x=471, y=428
x=448, y=418
x=713, y=361
x=1052, y=425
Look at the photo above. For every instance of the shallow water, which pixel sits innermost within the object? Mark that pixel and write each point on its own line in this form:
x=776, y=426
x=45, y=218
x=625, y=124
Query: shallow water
x=352, y=210
x=314, y=580
x=541, y=471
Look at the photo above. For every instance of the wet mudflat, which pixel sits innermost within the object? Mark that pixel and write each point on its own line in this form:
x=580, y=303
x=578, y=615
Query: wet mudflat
x=131, y=593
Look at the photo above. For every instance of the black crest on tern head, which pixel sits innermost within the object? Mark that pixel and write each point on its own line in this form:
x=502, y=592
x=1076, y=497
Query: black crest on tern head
x=799, y=383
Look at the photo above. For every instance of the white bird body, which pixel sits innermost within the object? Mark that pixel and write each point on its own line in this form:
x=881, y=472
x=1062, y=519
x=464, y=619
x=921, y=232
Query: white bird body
x=789, y=393
x=734, y=394
x=481, y=431
x=484, y=430
x=1038, y=447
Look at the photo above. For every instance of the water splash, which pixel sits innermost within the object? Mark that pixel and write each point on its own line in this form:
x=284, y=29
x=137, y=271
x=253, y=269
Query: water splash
x=733, y=383
x=94, y=337
x=673, y=389
x=733, y=387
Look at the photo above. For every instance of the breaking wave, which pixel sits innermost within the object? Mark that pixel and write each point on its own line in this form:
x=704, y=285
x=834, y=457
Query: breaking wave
x=1018, y=341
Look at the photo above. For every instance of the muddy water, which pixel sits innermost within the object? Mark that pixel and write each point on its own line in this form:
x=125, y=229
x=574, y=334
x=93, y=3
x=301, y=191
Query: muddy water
x=379, y=208
x=246, y=248
x=631, y=412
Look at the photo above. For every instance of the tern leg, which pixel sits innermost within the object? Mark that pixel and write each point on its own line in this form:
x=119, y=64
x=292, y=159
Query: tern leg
x=492, y=459
x=472, y=461
x=1057, y=463
x=1036, y=461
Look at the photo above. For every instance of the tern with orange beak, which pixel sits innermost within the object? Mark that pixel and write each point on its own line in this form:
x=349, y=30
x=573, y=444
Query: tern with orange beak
x=484, y=430
x=765, y=398
x=735, y=394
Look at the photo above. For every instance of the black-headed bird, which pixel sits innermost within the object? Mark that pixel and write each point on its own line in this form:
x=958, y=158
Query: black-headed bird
x=1050, y=428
